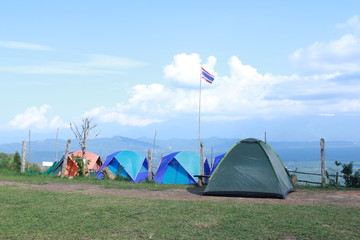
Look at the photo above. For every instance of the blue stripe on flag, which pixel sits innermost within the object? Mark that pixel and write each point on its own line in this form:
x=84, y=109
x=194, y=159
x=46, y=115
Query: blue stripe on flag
x=207, y=76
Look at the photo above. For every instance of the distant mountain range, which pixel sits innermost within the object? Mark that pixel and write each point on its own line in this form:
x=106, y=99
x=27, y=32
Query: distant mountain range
x=292, y=153
x=45, y=150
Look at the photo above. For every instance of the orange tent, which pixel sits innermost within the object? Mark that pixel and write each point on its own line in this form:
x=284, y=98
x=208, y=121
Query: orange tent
x=94, y=163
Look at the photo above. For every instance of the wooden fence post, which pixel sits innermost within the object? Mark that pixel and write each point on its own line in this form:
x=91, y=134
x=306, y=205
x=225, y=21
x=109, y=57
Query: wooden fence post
x=23, y=156
x=149, y=165
x=322, y=153
x=63, y=169
x=200, y=179
x=201, y=158
x=337, y=178
x=294, y=179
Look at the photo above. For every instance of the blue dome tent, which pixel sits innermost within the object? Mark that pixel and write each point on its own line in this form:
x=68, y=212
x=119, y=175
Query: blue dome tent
x=216, y=162
x=127, y=164
x=178, y=168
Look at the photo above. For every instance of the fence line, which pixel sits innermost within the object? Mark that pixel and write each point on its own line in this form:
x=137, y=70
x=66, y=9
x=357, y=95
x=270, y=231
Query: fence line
x=317, y=174
x=306, y=181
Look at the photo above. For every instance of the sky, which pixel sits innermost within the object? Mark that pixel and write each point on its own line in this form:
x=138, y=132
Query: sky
x=287, y=68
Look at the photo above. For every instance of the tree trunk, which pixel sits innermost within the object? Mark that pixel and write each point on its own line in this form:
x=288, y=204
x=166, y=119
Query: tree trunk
x=64, y=164
x=85, y=161
x=23, y=156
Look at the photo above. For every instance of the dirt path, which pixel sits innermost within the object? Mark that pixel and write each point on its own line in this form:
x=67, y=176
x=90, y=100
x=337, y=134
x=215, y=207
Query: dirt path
x=300, y=197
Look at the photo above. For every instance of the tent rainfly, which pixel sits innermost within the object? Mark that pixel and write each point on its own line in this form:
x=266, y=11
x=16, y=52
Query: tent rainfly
x=216, y=162
x=127, y=164
x=180, y=168
x=207, y=168
x=72, y=168
x=250, y=169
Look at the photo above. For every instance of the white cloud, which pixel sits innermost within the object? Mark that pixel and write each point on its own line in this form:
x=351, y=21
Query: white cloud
x=243, y=93
x=95, y=64
x=35, y=117
x=341, y=55
x=106, y=61
x=120, y=117
x=237, y=96
x=352, y=23
x=24, y=45
x=185, y=69
x=327, y=114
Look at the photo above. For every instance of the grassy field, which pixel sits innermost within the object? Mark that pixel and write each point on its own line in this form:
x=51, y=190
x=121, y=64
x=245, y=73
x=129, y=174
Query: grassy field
x=106, y=183
x=33, y=214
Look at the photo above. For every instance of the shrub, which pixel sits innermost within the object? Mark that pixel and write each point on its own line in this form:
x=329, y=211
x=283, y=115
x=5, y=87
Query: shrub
x=351, y=178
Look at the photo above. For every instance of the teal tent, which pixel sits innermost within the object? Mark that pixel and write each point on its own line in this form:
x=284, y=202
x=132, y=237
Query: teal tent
x=252, y=169
x=127, y=164
x=178, y=168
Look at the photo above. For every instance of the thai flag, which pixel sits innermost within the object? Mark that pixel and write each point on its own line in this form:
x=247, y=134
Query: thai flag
x=207, y=76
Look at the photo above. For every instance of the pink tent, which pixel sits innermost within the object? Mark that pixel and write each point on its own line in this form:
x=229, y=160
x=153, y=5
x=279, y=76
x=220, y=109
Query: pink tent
x=93, y=160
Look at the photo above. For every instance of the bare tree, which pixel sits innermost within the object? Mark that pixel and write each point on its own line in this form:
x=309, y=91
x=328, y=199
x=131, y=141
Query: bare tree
x=84, y=139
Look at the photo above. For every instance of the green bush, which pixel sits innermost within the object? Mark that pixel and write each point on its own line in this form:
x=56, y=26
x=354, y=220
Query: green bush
x=10, y=161
x=33, y=167
x=17, y=161
x=351, y=178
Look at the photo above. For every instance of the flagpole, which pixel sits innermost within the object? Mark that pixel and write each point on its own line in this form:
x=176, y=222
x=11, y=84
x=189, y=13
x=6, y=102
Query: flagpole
x=200, y=144
x=199, y=112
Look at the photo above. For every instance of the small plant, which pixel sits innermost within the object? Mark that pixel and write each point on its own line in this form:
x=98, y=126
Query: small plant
x=351, y=178
x=80, y=163
x=34, y=168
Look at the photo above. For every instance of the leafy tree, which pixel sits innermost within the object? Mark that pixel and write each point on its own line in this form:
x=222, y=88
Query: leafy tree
x=17, y=161
x=352, y=179
x=5, y=161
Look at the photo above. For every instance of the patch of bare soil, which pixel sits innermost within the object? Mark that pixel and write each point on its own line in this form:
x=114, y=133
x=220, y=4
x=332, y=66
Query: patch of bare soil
x=299, y=197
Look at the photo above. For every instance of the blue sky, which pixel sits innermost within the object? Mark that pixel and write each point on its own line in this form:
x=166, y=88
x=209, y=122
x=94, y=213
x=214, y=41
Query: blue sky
x=287, y=68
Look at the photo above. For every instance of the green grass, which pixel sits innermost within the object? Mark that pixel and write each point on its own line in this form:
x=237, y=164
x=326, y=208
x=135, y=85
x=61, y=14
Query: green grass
x=31, y=214
x=6, y=175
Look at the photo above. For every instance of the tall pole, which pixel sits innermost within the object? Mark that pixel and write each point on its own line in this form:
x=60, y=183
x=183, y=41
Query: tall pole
x=23, y=156
x=29, y=152
x=149, y=165
x=199, y=112
x=322, y=157
x=265, y=137
x=57, y=145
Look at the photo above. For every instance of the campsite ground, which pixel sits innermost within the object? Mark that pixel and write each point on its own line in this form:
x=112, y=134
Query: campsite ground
x=111, y=209
x=299, y=197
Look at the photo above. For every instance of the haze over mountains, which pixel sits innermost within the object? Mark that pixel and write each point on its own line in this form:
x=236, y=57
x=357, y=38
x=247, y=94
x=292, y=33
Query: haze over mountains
x=45, y=150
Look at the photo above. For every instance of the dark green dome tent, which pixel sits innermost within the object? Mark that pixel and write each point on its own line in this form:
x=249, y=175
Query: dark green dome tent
x=250, y=169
